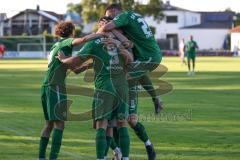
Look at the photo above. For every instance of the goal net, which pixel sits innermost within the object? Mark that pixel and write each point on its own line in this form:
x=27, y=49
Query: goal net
x=26, y=46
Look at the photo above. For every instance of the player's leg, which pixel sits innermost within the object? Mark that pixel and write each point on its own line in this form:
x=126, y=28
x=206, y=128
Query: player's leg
x=112, y=136
x=141, y=132
x=138, y=128
x=193, y=64
x=109, y=135
x=101, y=142
x=115, y=144
x=124, y=140
x=115, y=141
x=102, y=110
x=56, y=103
x=45, y=134
x=189, y=65
x=148, y=86
x=47, y=129
x=56, y=139
x=122, y=117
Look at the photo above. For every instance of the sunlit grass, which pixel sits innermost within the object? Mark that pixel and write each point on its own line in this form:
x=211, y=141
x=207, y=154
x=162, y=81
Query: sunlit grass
x=212, y=95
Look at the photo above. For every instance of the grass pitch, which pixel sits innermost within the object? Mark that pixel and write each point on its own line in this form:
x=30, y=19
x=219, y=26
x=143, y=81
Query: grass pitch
x=210, y=98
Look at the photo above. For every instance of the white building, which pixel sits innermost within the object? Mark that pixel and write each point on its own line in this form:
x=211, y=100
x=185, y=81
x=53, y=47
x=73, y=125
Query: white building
x=31, y=22
x=209, y=29
x=174, y=19
x=212, y=31
x=3, y=16
x=235, y=40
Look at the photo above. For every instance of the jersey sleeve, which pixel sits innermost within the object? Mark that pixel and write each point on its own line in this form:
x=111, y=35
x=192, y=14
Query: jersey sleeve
x=67, y=42
x=86, y=51
x=121, y=20
x=195, y=43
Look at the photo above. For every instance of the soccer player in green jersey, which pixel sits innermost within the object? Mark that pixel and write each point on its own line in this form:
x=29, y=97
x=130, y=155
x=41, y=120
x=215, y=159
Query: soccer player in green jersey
x=111, y=88
x=147, y=57
x=112, y=11
x=191, y=54
x=53, y=91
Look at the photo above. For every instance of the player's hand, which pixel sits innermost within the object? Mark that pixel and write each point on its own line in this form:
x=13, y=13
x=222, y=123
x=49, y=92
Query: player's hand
x=82, y=68
x=111, y=41
x=127, y=44
x=108, y=35
x=61, y=56
x=100, y=30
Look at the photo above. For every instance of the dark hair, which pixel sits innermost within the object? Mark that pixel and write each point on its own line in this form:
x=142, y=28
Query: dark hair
x=64, y=29
x=105, y=18
x=113, y=6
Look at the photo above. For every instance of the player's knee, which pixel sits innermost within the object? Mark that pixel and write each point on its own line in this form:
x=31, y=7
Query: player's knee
x=109, y=132
x=59, y=125
x=132, y=120
x=47, y=129
x=101, y=124
x=48, y=126
x=121, y=123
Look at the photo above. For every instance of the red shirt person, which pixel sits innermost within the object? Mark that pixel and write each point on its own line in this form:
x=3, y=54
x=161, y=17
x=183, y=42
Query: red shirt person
x=2, y=50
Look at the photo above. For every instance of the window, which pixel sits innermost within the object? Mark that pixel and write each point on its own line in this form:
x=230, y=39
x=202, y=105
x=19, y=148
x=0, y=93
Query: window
x=194, y=19
x=172, y=19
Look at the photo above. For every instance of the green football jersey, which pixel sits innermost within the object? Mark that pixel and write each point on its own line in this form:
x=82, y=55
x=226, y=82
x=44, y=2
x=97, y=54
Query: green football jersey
x=191, y=47
x=56, y=72
x=138, y=31
x=108, y=65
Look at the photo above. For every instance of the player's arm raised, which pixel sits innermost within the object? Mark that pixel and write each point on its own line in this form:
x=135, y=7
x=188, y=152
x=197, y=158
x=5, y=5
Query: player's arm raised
x=87, y=38
x=78, y=69
x=71, y=61
x=107, y=27
x=125, y=41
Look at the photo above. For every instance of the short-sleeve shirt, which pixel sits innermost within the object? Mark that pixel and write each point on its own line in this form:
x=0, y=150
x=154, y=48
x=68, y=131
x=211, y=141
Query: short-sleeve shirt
x=56, y=73
x=139, y=33
x=191, y=47
x=108, y=65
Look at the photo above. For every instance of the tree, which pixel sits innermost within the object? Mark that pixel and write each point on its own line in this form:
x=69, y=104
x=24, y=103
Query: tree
x=92, y=10
x=74, y=7
x=228, y=9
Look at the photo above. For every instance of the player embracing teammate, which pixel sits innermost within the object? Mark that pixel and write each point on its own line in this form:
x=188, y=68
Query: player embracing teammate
x=147, y=57
x=120, y=65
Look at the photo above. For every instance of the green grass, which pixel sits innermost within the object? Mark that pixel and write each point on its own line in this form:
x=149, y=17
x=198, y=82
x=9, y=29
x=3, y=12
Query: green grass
x=212, y=96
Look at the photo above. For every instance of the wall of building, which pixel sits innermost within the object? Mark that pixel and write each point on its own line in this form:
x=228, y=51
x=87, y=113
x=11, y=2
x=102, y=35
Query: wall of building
x=185, y=18
x=206, y=38
x=235, y=41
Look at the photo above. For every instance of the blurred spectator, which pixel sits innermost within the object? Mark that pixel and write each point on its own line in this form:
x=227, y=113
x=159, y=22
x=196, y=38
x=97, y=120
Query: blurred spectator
x=182, y=50
x=2, y=50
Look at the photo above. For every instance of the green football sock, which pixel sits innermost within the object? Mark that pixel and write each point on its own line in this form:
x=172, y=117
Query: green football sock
x=115, y=142
x=43, y=146
x=56, y=143
x=140, y=132
x=148, y=86
x=124, y=141
x=101, y=143
x=109, y=141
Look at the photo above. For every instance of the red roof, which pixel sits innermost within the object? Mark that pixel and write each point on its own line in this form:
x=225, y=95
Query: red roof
x=235, y=30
